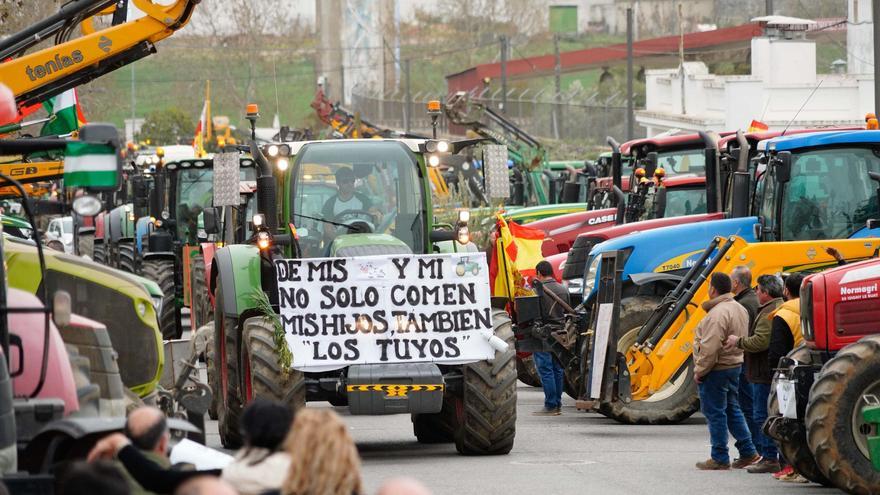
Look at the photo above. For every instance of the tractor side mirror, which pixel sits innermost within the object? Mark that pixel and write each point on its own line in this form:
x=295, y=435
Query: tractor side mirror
x=211, y=220
x=660, y=202
x=783, y=166
x=873, y=223
x=651, y=164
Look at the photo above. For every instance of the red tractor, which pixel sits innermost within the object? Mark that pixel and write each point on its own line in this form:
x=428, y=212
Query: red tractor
x=822, y=388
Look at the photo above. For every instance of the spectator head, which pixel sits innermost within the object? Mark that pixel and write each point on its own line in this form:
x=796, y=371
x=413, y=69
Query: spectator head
x=147, y=429
x=205, y=485
x=327, y=460
x=264, y=424
x=544, y=269
x=84, y=478
x=793, y=286
x=720, y=284
x=403, y=486
x=741, y=279
x=769, y=288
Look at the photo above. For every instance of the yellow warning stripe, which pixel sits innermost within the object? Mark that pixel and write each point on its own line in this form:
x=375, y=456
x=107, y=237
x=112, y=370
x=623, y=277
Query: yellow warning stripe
x=394, y=390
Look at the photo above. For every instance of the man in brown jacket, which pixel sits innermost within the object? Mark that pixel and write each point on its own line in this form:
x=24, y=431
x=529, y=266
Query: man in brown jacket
x=717, y=371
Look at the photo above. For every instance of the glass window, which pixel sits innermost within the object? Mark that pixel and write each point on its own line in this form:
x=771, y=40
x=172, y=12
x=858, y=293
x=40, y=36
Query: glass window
x=682, y=162
x=680, y=202
x=344, y=188
x=68, y=225
x=195, y=192
x=830, y=194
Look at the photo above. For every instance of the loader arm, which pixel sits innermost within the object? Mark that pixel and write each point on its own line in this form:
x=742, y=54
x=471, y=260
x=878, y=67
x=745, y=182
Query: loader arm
x=35, y=77
x=653, y=366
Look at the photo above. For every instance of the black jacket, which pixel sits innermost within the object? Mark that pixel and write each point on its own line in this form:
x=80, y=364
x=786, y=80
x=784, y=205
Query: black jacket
x=749, y=300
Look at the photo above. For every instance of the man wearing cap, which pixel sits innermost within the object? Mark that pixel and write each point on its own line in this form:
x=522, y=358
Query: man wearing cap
x=346, y=199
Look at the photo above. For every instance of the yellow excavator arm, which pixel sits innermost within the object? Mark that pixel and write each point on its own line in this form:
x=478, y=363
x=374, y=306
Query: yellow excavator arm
x=29, y=174
x=651, y=369
x=35, y=77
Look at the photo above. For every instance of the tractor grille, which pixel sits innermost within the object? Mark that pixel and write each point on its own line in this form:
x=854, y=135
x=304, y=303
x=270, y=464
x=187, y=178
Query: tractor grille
x=133, y=341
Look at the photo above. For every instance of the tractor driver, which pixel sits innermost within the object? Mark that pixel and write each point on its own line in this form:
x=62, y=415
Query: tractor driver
x=345, y=206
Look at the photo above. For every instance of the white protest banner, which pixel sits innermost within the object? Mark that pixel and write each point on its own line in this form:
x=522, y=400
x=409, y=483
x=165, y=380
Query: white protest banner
x=385, y=309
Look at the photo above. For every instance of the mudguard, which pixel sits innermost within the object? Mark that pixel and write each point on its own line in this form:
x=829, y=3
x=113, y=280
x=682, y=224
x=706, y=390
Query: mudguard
x=651, y=278
x=99, y=226
x=208, y=250
x=237, y=269
x=142, y=229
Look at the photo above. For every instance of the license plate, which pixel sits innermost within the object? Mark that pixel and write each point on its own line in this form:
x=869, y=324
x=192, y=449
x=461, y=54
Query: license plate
x=785, y=396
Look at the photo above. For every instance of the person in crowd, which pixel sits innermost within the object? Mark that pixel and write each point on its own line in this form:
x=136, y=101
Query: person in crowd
x=717, y=370
x=741, y=279
x=785, y=335
x=83, y=478
x=205, y=485
x=326, y=458
x=346, y=201
x=549, y=369
x=148, y=431
x=403, y=486
x=758, y=369
x=261, y=464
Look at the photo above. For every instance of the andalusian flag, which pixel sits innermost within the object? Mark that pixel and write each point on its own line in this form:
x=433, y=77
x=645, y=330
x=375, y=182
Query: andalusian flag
x=517, y=251
x=90, y=165
x=65, y=112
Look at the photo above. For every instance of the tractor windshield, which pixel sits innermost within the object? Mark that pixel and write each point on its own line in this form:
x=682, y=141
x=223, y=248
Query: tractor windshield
x=829, y=196
x=195, y=192
x=679, y=162
x=680, y=201
x=344, y=188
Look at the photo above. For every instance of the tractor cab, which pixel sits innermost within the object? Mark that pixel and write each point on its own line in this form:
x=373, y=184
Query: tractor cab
x=349, y=194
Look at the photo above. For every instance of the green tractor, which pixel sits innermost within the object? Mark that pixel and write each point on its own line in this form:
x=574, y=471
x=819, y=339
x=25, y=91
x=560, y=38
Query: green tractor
x=175, y=244
x=363, y=207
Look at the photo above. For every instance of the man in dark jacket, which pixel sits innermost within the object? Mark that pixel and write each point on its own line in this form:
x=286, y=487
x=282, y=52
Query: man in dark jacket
x=758, y=369
x=549, y=369
x=741, y=278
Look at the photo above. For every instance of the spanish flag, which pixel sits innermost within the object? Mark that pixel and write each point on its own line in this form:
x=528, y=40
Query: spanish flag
x=203, y=127
x=517, y=251
x=758, y=126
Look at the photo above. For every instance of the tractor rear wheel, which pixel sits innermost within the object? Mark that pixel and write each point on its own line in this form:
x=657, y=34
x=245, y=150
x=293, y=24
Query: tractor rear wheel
x=676, y=401
x=486, y=420
x=98, y=254
x=795, y=451
x=226, y=370
x=200, y=303
x=126, y=256
x=438, y=427
x=161, y=271
x=836, y=431
x=86, y=244
x=262, y=374
x=526, y=371
x=213, y=376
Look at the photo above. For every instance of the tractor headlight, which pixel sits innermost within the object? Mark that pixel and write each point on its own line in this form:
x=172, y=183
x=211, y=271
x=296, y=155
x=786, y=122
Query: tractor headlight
x=166, y=215
x=157, y=304
x=282, y=164
x=258, y=220
x=263, y=240
x=272, y=150
x=464, y=235
x=442, y=146
x=434, y=160
x=575, y=286
x=589, y=281
x=131, y=216
x=141, y=309
x=464, y=216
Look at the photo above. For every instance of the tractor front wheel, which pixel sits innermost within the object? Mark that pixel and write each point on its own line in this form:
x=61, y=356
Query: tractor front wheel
x=126, y=256
x=676, y=401
x=225, y=371
x=98, y=253
x=161, y=271
x=795, y=450
x=836, y=431
x=262, y=373
x=486, y=418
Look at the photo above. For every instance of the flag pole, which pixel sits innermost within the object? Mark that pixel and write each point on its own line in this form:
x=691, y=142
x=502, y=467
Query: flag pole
x=208, y=110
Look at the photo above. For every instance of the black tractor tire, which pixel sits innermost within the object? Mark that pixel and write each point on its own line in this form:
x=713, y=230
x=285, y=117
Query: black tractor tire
x=526, y=371
x=200, y=304
x=836, y=432
x=99, y=254
x=795, y=451
x=486, y=420
x=85, y=244
x=213, y=377
x=227, y=349
x=263, y=375
x=437, y=427
x=161, y=271
x=664, y=407
x=126, y=256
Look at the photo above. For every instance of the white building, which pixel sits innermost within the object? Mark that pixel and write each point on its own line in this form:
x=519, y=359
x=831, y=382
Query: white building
x=783, y=88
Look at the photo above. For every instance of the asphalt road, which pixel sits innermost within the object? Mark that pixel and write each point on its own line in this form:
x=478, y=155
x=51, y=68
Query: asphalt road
x=576, y=453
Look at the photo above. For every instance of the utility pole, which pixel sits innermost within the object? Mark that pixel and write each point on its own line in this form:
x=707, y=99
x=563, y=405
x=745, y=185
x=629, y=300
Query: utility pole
x=132, y=102
x=503, y=73
x=407, y=106
x=557, y=73
x=681, y=56
x=769, y=5
x=630, y=104
x=875, y=14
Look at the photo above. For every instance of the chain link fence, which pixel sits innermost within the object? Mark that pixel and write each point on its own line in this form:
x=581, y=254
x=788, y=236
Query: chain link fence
x=575, y=116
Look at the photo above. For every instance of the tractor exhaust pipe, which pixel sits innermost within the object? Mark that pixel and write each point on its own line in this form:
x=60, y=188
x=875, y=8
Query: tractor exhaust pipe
x=741, y=179
x=616, y=168
x=712, y=172
x=621, y=205
x=265, y=188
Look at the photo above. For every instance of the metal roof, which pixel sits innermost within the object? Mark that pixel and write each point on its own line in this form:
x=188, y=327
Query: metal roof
x=833, y=138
